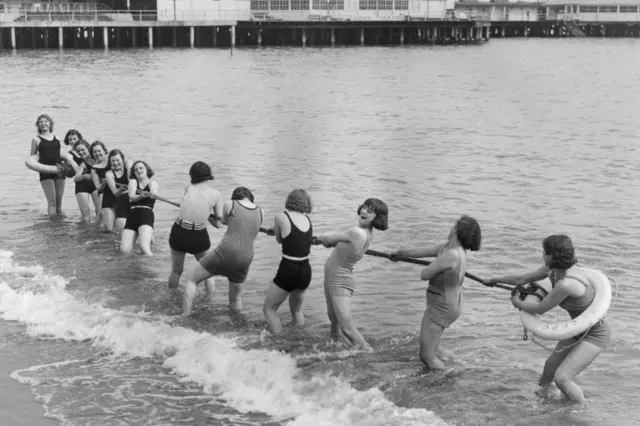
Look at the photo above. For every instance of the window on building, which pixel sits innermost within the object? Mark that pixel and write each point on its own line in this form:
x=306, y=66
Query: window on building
x=588, y=9
x=259, y=4
x=401, y=4
x=368, y=4
x=385, y=4
x=608, y=9
x=279, y=5
x=628, y=9
x=299, y=4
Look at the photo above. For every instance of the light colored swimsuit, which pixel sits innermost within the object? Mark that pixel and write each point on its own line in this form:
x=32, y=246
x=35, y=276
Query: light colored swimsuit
x=234, y=253
x=338, y=268
x=444, y=295
x=600, y=333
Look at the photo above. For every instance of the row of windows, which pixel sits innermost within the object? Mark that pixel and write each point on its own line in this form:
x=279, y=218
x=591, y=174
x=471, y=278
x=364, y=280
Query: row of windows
x=608, y=9
x=327, y=4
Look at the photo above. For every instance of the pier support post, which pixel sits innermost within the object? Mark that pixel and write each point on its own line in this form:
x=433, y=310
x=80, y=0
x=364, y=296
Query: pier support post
x=105, y=37
x=362, y=36
x=434, y=36
x=215, y=36
x=260, y=37
x=46, y=38
x=13, y=37
x=233, y=36
x=134, y=36
x=1, y=40
x=150, y=33
x=304, y=37
x=333, y=36
x=117, y=30
x=91, y=33
x=192, y=37
x=175, y=37
x=33, y=37
x=401, y=36
x=503, y=32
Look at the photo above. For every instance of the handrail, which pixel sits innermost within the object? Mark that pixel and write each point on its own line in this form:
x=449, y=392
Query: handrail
x=167, y=15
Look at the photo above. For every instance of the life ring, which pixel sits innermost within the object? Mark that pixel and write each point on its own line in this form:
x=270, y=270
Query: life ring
x=565, y=329
x=35, y=165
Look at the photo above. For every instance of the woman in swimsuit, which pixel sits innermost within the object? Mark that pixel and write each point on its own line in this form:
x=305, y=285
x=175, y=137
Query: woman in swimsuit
x=141, y=218
x=45, y=149
x=189, y=232
x=444, y=293
x=573, y=290
x=99, y=170
x=339, y=284
x=116, y=192
x=85, y=189
x=292, y=228
x=233, y=255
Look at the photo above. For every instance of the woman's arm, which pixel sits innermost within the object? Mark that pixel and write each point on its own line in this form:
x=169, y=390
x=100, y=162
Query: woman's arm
x=520, y=279
x=278, y=222
x=226, y=210
x=153, y=188
x=443, y=263
x=351, y=235
x=110, y=178
x=96, y=181
x=535, y=306
x=420, y=252
x=133, y=188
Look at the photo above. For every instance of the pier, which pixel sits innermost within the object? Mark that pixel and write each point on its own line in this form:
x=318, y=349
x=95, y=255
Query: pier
x=91, y=34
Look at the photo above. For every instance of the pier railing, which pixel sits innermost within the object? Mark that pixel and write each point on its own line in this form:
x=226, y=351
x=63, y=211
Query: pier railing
x=101, y=15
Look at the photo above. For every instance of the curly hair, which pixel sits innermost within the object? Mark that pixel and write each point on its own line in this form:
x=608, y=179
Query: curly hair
x=150, y=171
x=48, y=118
x=381, y=210
x=241, y=192
x=560, y=248
x=72, y=132
x=468, y=233
x=101, y=145
x=298, y=201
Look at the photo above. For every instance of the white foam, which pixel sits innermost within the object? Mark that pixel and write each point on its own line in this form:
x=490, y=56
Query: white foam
x=248, y=380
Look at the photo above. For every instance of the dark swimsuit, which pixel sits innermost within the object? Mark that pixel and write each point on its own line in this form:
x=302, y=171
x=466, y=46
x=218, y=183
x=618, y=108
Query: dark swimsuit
x=49, y=154
x=123, y=205
x=141, y=212
x=84, y=186
x=295, y=274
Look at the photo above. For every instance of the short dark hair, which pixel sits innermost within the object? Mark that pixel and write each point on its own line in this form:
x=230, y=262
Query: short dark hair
x=100, y=144
x=150, y=171
x=114, y=153
x=200, y=172
x=469, y=233
x=560, y=248
x=298, y=201
x=381, y=210
x=241, y=192
x=69, y=133
x=85, y=143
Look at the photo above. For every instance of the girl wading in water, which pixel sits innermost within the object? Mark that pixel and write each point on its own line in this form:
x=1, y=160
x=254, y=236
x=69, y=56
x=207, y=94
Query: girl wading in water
x=45, y=151
x=445, y=276
x=339, y=284
x=574, y=291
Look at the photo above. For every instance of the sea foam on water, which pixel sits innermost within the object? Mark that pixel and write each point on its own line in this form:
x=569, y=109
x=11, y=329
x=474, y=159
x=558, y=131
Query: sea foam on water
x=248, y=380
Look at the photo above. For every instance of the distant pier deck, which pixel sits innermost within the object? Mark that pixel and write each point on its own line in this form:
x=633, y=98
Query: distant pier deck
x=90, y=30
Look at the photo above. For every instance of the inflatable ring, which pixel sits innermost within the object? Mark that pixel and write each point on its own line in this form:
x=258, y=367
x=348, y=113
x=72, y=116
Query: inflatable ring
x=33, y=164
x=565, y=329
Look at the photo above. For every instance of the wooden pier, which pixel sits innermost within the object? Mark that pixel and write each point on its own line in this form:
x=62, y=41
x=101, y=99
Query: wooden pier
x=90, y=32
